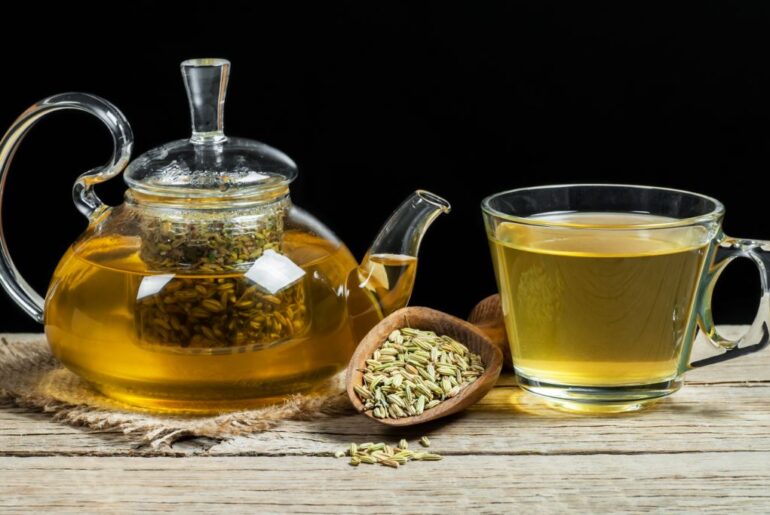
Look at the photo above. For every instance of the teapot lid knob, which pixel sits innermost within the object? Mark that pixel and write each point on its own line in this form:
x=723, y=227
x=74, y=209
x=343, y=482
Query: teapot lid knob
x=209, y=164
x=206, y=83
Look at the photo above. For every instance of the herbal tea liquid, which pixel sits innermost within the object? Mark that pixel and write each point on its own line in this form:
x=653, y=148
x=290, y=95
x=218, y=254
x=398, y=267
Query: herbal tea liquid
x=590, y=307
x=96, y=328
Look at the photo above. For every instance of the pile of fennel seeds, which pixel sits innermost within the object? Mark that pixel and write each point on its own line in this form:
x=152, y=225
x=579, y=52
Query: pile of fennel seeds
x=383, y=454
x=415, y=370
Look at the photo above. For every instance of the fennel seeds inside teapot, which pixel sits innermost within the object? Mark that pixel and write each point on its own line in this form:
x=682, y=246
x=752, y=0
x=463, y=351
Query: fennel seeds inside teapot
x=210, y=304
x=415, y=370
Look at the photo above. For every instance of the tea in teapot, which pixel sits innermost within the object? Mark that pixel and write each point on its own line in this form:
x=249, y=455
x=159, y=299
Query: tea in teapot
x=207, y=289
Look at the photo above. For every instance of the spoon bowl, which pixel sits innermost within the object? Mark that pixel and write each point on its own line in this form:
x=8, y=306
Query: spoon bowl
x=428, y=319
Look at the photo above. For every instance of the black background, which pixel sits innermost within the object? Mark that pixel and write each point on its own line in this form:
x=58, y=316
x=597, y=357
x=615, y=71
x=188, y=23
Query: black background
x=375, y=99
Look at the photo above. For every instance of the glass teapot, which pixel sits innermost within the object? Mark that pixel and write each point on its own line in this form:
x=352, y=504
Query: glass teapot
x=207, y=289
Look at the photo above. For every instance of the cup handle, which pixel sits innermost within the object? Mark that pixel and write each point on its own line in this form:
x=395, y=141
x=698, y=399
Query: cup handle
x=758, y=335
x=83, y=192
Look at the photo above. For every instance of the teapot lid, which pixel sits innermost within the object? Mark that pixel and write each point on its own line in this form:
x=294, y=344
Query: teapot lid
x=209, y=164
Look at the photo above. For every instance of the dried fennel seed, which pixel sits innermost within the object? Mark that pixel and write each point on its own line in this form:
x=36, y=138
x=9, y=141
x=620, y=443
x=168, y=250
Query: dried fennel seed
x=416, y=370
x=219, y=312
x=383, y=454
x=213, y=306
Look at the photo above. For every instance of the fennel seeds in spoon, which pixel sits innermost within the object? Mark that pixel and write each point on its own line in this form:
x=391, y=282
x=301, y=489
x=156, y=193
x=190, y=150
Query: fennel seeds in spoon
x=415, y=370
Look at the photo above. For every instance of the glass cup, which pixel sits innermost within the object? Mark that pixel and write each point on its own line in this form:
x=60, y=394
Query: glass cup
x=604, y=286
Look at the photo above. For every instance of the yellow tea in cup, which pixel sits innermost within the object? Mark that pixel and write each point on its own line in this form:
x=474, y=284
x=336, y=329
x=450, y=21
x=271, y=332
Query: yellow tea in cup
x=597, y=307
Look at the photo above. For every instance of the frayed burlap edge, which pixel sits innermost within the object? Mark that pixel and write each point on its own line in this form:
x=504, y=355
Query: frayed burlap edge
x=31, y=377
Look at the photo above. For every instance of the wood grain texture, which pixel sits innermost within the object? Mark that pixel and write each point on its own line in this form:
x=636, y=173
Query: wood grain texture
x=669, y=483
x=705, y=449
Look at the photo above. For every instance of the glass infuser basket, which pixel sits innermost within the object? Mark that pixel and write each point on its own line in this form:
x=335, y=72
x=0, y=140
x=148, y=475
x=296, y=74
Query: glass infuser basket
x=207, y=289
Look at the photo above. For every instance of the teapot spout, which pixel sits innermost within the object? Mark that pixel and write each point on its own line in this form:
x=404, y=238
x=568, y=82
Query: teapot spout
x=402, y=233
x=383, y=282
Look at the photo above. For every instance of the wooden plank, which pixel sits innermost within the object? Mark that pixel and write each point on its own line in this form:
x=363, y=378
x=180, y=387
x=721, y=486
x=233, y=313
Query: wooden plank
x=727, y=416
x=723, y=417
x=670, y=483
x=698, y=419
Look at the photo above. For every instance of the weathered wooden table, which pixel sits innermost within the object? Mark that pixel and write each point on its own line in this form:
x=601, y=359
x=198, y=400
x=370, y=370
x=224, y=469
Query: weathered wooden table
x=707, y=449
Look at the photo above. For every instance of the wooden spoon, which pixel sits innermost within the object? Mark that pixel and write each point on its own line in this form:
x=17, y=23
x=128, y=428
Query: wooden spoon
x=442, y=324
x=488, y=316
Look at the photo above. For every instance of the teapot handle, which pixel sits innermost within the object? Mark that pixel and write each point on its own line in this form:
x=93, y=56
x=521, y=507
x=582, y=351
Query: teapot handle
x=83, y=192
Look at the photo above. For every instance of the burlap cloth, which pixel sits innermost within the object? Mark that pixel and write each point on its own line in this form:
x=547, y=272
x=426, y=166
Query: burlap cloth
x=31, y=377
